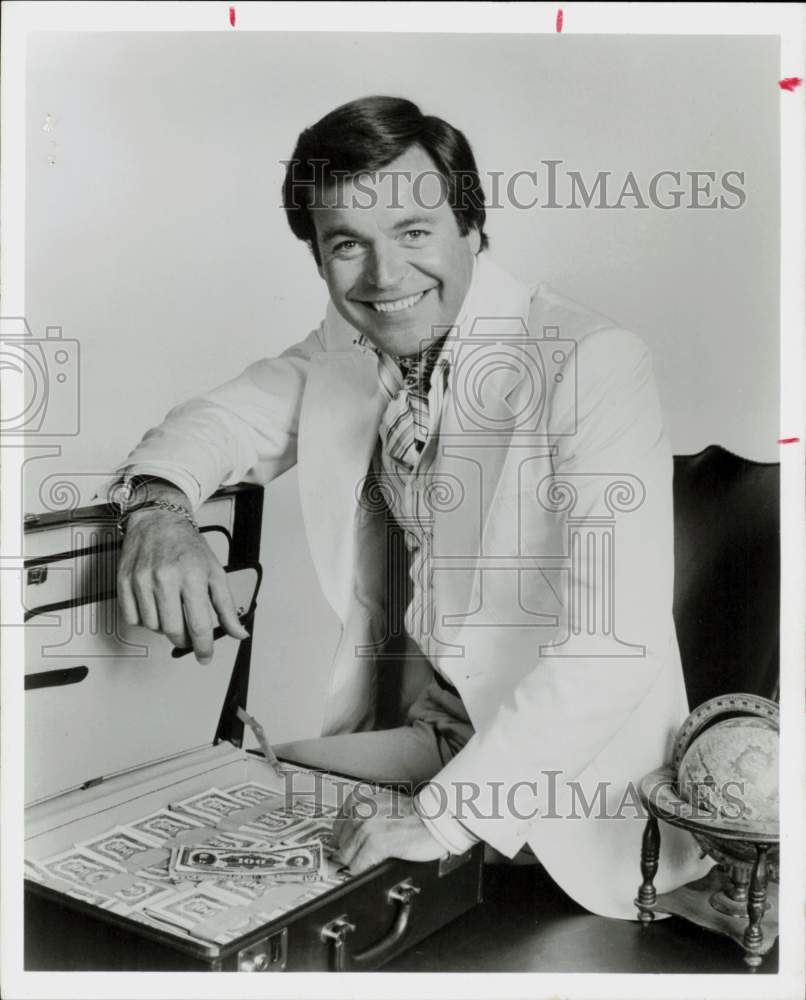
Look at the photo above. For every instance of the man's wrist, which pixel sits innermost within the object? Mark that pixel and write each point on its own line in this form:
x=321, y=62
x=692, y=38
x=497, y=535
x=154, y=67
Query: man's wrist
x=133, y=492
x=452, y=835
x=135, y=497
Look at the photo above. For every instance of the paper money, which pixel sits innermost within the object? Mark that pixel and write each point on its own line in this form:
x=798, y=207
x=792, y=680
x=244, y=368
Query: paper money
x=87, y=897
x=141, y=891
x=212, y=805
x=81, y=868
x=251, y=887
x=238, y=840
x=164, y=825
x=305, y=805
x=158, y=872
x=298, y=861
x=250, y=793
x=313, y=830
x=32, y=870
x=248, y=922
x=272, y=824
x=194, y=904
x=120, y=844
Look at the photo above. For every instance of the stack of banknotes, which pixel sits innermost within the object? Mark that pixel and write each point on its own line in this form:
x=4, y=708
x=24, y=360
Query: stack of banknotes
x=193, y=869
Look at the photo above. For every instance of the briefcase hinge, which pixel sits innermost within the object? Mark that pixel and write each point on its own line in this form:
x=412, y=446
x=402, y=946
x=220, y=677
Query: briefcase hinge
x=268, y=955
x=453, y=861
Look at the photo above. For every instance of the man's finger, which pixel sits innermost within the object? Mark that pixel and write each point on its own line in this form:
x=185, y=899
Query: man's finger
x=172, y=621
x=343, y=828
x=127, y=602
x=146, y=604
x=198, y=616
x=222, y=601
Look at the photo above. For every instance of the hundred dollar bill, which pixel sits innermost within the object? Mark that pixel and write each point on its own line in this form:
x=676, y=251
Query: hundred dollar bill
x=297, y=863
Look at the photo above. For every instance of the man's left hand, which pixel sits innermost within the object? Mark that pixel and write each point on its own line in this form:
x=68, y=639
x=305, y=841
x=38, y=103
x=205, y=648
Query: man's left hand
x=375, y=825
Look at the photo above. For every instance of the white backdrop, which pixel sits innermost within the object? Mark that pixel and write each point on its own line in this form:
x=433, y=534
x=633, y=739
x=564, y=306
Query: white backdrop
x=155, y=237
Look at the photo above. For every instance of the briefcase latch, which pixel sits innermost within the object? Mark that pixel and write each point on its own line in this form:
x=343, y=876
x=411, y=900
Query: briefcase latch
x=267, y=955
x=337, y=930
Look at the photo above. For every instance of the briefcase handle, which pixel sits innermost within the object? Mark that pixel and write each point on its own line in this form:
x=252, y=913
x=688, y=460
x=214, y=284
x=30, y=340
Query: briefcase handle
x=402, y=896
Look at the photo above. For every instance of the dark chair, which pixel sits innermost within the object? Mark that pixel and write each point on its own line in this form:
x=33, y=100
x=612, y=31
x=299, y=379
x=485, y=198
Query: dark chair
x=727, y=573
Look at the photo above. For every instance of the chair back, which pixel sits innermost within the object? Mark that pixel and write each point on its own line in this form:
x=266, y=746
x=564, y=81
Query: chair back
x=727, y=573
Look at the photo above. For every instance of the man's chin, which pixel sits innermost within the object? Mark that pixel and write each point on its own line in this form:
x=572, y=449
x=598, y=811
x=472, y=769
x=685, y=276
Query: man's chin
x=402, y=340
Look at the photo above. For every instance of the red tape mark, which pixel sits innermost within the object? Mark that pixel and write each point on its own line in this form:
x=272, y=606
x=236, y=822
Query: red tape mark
x=788, y=440
x=232, y=16
x=558, y=24
x=790, y=82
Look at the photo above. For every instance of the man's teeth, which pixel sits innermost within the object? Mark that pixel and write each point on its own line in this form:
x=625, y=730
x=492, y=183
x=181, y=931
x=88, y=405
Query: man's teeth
x=398, y=304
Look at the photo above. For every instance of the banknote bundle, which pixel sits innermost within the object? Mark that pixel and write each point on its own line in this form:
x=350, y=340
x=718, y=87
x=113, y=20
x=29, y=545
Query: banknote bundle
x=302, y=862
x=213, y=865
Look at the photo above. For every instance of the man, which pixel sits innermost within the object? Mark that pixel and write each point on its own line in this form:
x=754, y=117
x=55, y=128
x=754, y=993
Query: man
x=500, y=431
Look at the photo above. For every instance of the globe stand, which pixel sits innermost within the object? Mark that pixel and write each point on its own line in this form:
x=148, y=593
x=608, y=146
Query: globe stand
x=737, y=899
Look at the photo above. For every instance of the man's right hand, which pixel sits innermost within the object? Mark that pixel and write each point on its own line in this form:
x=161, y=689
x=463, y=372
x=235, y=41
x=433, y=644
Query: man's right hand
x=170, y=581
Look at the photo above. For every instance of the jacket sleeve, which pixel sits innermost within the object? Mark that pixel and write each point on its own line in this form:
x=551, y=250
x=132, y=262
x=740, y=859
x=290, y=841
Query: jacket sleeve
x=243, y=431
x=565, y=709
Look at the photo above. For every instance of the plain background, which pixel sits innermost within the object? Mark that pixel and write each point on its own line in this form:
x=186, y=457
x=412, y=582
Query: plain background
x=155, y=237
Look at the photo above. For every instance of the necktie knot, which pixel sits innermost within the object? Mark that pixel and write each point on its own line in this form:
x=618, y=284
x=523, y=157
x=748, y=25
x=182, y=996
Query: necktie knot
x=405, y=424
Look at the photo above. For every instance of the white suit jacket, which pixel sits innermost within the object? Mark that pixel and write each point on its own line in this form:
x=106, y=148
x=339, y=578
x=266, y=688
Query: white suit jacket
x=552, y=555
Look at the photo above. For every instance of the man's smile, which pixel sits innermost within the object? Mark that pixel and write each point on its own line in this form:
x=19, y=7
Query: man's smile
x=395, y=305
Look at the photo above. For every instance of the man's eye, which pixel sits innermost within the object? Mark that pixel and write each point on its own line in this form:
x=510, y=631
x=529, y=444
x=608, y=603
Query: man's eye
x=345, y=245
x=416, y=234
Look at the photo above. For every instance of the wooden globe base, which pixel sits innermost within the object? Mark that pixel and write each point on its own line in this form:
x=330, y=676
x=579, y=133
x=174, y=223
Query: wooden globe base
x=740, y=901
x=739, y=896
x=695, y=902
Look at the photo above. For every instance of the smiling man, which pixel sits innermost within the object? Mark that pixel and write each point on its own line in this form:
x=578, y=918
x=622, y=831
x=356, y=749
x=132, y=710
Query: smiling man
x=498, y=431
x=395, y=269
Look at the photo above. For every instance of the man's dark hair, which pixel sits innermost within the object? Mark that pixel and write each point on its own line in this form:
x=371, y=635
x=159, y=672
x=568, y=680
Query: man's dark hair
x=365, y=136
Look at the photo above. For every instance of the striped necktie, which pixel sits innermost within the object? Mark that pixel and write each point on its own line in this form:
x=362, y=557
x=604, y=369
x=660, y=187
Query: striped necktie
x=406, y=423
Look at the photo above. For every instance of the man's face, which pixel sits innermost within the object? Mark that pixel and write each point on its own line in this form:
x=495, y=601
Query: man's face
x=394, y=260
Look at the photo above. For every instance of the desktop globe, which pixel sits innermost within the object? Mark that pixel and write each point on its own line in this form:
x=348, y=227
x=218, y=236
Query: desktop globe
x=722, y=786
x=730, y=772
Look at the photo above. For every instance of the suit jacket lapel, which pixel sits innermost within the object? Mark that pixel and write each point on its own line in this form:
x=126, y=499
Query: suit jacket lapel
x=342, y=409
x=478, y=421
x=338, y=430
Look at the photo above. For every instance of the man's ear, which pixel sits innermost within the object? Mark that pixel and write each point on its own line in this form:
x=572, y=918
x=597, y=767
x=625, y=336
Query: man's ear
x=474, y=241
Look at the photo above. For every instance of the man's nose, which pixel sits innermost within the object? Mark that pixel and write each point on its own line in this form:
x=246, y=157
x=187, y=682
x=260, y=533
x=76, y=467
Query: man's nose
x=385, y=266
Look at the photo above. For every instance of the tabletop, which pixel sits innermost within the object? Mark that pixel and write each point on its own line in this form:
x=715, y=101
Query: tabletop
x=528, y=924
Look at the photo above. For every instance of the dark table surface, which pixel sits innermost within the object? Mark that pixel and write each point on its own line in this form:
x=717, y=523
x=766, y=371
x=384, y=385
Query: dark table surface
x=528, y=924
x=525, y=924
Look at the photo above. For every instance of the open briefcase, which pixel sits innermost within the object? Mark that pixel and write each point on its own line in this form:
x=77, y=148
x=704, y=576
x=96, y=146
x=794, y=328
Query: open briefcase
x=129, y=742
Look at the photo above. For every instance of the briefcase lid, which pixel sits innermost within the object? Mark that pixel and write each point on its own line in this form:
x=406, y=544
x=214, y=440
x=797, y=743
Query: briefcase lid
x=102, y=698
